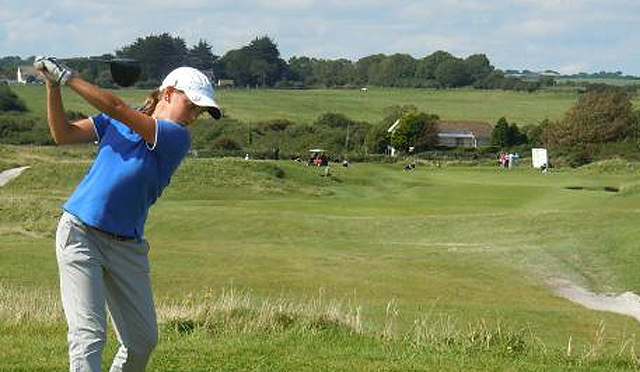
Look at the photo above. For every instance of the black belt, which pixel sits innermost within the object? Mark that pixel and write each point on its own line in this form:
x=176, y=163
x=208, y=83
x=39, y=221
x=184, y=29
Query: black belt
x=120, y=238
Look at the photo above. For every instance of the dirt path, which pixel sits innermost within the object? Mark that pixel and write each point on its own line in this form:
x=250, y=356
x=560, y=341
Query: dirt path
x=627, y=303
x=10, y=174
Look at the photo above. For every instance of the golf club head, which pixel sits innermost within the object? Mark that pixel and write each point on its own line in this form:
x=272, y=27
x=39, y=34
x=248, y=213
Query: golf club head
x=124, y=71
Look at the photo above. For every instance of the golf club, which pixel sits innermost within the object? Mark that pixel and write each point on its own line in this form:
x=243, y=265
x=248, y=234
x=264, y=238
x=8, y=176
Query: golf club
x=124, y=71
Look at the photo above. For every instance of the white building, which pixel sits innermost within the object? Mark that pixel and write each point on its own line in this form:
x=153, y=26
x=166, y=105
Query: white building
x=460, y=133
x=27, y=74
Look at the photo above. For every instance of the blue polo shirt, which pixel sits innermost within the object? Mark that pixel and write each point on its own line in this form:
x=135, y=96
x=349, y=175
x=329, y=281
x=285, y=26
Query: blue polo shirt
x=127, y=175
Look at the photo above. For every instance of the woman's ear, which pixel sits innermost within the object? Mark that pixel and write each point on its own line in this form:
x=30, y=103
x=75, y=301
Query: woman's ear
x=168, y=91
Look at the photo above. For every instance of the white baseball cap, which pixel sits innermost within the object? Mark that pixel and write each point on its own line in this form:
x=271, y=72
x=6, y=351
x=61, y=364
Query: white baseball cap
x=196, y=86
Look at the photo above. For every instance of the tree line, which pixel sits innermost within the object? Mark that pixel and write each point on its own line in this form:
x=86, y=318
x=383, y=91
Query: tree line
x=259, y=64
x=603, y=122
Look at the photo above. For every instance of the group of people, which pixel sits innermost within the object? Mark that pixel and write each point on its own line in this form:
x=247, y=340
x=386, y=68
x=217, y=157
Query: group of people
x=507, y=160
x=318, y=160
x=410, y=166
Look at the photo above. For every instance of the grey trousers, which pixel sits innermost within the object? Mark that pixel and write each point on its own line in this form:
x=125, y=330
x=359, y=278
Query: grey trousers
x=97, y=269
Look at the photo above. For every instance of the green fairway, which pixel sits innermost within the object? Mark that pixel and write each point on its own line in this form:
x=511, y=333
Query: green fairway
x=386, y=254
x=306, y=105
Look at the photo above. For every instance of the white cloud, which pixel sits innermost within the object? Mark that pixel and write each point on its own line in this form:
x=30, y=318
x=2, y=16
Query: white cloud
x=590, y=34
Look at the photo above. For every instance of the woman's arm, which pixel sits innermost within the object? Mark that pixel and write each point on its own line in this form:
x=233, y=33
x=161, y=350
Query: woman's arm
x=113, y=106
x=62, y=131
x=104, y=101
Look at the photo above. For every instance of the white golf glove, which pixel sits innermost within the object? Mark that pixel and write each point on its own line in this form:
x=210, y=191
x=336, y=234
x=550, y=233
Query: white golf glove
x=52, y=69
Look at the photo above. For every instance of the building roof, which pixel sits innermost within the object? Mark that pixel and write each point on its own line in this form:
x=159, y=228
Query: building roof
x=28, y=70
x=478, y=128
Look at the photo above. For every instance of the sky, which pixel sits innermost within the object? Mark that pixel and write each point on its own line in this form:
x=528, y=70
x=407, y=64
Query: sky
x=567, y=36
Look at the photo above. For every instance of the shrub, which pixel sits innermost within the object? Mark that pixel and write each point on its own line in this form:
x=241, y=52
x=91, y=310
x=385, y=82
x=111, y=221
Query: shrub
x=20, y=130
x=9, y=101
x=602, y=114
x=333, y=120
x=225, y=143
x=75, y=115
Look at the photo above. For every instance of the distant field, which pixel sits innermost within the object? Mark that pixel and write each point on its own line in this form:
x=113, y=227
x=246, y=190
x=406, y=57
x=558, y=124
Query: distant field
x=307, y=105
x=445, y=248
x=610, y=81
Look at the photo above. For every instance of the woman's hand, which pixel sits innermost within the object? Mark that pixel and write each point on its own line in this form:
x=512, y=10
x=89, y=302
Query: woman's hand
x=53, y=70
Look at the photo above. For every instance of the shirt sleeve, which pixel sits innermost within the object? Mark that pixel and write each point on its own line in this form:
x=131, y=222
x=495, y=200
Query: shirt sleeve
x=100, y=123
x=172, y=143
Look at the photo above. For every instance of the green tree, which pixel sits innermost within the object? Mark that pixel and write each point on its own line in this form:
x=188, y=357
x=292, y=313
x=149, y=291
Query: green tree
x=236, y=66
x=418, y=130
x=346, y=132
x=427, y=66
x=547, y=81
x=395, y=112
x=602, y=114
x=158, y=55
x=267, y=66
x=453, y=73
x=257, y=64
x=478, y=66
x=377, y=138
x=635, y=123
x=333, y=120
x=367, y=68
x=533, y=133
x=506, y=135
x=396, y=70
x=200, y=56
x=302, y=70
x=334, y=73
x=493, y=80
x=515, y=135
x=500, y=134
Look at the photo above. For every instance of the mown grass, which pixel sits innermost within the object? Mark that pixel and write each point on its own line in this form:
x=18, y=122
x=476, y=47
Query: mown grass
x=442, y=268
x=306, y=105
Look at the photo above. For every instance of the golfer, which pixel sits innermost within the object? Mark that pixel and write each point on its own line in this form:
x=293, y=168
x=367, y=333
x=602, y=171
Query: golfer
x=100, y=247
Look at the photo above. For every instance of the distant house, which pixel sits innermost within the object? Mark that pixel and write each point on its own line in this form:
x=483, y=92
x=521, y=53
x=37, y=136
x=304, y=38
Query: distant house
x=27, y=75
x=226, y=83
x=461, y=133
x=550, y=73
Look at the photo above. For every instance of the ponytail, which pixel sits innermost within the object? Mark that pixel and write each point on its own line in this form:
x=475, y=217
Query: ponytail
x=149, y=105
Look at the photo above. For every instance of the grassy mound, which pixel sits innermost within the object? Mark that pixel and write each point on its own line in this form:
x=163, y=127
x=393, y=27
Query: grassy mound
x=440, y=268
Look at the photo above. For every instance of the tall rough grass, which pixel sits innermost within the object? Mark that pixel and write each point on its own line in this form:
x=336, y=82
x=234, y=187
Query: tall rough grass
x=27, y=305
x=235, y=312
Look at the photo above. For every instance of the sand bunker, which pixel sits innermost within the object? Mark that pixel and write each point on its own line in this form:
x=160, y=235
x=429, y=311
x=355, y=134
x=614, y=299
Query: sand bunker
x=627, y=303
x=10, y=174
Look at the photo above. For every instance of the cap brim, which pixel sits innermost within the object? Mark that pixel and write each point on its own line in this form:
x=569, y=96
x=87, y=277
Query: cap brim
x=203, y=101
x=214, y=112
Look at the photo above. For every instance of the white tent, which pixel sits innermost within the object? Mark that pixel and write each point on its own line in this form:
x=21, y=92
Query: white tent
x=539, y=157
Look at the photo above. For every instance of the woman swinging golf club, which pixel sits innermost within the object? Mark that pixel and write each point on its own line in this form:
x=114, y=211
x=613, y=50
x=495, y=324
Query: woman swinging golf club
x=100, y=247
